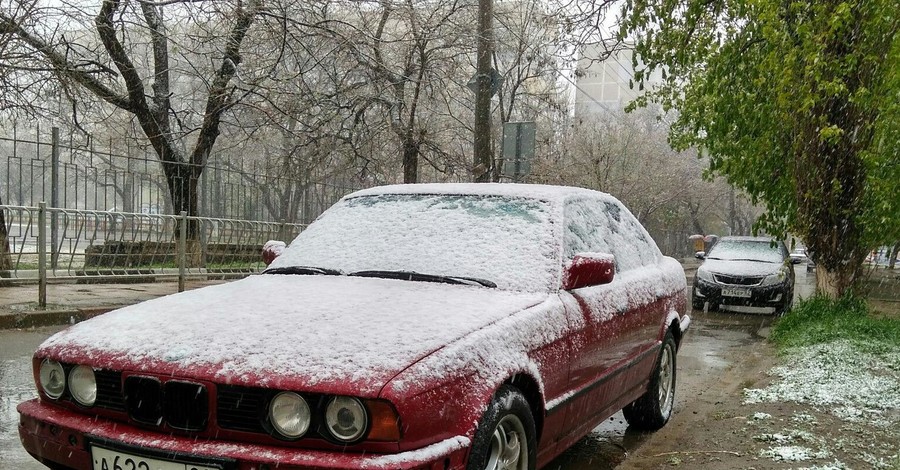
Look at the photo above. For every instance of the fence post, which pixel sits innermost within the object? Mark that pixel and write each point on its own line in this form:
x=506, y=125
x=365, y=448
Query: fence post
x=182, y=248
x=42, y=255
x=54, y=197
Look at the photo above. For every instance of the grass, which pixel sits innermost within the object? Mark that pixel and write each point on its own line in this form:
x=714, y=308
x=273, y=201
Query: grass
x=821, y=320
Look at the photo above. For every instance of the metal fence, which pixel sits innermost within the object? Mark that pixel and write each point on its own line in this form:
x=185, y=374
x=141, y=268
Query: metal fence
x=71, y=173
x=44, y=245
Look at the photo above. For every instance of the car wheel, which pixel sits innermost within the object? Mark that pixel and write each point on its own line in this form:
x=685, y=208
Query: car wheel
x=652, y=410
x=697, y=303
x=786, y=305
x=506, y=437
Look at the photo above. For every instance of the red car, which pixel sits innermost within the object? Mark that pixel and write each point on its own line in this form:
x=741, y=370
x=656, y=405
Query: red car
x=476, y=326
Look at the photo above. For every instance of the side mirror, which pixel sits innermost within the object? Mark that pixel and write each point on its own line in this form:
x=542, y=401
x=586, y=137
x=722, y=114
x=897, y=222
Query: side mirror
x=271, y=250
x=700, y=255
x=589, y=269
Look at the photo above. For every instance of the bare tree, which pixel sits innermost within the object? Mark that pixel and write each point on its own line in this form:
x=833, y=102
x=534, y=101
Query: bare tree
x=116, y=74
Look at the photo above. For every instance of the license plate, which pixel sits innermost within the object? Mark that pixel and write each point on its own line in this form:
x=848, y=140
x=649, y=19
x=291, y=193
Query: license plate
x=105, y=459
x=745, y=293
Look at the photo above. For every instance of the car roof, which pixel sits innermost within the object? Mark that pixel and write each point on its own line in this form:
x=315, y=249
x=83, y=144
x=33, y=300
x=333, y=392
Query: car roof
x=748, y=239
x=529, y=191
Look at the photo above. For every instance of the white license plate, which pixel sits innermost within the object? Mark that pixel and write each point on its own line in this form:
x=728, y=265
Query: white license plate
x=105, y=459
x=745, y=293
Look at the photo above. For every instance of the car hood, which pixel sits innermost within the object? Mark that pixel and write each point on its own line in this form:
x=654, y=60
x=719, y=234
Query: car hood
x=334, y=333
x=740, y=268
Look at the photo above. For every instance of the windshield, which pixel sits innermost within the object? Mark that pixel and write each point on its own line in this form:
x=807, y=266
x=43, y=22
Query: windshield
x=505, y=240
x=750, y=250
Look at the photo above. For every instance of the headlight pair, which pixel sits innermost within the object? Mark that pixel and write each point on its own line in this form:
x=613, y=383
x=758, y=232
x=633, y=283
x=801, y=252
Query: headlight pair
x=82, y=383
x=346, y=419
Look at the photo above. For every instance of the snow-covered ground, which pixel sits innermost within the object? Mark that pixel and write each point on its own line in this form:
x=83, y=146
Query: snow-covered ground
x=840, y=379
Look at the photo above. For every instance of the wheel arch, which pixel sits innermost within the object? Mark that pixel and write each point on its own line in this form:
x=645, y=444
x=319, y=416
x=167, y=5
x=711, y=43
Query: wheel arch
x=529, y=387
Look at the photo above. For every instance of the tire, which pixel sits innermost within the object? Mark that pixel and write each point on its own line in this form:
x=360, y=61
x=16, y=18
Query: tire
x=786, y=305
x=697, y=303
x=506, y=438
x=652, y=410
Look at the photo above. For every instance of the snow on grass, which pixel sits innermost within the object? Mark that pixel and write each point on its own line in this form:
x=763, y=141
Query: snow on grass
x=838, y=378
x=836, y=465
x=793, y=453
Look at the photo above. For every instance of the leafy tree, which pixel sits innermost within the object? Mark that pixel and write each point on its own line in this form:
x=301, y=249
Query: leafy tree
x=794, y=102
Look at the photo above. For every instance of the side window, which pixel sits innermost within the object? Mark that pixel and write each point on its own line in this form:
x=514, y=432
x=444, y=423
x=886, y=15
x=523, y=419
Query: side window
x=639, y=243
x=608, y=227
x=585, y=229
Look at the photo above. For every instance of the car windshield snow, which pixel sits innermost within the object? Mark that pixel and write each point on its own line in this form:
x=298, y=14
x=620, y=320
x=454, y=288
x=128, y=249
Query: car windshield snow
x=507, y=241
x=746, y=250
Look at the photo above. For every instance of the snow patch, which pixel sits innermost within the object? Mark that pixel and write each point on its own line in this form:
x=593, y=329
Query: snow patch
x=840, y=379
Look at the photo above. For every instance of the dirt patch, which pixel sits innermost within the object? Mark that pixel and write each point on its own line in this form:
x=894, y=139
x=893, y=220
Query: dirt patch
x=713, y=428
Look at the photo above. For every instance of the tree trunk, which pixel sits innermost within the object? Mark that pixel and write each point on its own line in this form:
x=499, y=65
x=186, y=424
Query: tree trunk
x=892, y=259
x=410, y=160
x=182, y=182
x=834, y=284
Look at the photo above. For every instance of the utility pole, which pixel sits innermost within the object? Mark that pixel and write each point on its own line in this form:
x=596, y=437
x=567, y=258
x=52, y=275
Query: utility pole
x=483, y=154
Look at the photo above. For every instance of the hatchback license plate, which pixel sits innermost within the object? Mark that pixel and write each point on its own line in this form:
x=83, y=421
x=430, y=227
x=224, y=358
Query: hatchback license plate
x=745, y=293
x=105, y=459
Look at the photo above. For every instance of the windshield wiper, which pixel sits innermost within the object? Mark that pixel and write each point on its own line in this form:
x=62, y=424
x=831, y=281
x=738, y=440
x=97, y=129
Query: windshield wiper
x=302, y=270
x=414, y=276
x=750, y=259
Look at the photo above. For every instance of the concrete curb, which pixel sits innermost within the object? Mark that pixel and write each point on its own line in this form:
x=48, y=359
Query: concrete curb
x=33, y=319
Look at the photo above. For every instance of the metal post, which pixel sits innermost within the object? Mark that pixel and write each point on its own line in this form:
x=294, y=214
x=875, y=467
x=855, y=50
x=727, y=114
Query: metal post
x=182, y=248
x=42, y=254
x=54, y=198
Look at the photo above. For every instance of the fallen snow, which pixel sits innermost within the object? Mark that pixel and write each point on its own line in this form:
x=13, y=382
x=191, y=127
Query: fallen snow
x=838, y=378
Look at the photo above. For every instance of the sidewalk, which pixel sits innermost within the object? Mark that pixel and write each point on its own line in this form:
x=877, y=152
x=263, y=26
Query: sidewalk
x=71, y=303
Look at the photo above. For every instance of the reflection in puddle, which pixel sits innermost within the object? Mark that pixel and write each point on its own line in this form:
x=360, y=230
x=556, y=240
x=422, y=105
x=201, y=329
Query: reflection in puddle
x=603, y=449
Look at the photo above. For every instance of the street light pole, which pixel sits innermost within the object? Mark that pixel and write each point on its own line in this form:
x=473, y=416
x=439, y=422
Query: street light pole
x=483, y=155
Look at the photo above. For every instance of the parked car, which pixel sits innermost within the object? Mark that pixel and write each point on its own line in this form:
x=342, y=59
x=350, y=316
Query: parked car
x=745, y=271
x=409, y=327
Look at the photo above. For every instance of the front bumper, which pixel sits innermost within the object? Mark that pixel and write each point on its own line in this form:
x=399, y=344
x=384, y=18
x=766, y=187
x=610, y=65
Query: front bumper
x=55, y=435
x=768, y=296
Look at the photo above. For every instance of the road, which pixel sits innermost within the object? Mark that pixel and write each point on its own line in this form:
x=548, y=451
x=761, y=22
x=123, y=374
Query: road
x=713, y=337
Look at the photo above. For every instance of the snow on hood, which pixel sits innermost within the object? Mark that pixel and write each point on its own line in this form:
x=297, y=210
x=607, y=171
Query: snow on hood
x=265, y=329
x=740, y=268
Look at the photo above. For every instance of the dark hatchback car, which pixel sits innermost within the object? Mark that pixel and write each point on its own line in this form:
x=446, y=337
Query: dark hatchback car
x=745, y=271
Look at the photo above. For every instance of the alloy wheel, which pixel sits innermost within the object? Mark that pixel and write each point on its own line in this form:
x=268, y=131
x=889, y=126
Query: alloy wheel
x=509, y=445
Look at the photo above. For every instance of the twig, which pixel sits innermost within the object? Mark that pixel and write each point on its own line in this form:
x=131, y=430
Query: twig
x=700, y=452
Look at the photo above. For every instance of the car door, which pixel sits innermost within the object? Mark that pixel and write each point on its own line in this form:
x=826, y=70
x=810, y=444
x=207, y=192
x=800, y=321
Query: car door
x=613, y=351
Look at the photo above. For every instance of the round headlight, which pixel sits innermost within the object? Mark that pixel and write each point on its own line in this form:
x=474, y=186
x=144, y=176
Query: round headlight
x=53, y=378
x=346, y=418
x=289, y=414
x=83, y=385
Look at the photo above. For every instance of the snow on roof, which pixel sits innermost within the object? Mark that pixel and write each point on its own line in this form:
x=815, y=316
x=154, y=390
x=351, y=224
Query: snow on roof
x=544, y=192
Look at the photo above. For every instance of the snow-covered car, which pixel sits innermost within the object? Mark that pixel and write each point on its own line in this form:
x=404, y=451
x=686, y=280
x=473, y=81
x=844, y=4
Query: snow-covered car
x=471, y=326
x=745, y=271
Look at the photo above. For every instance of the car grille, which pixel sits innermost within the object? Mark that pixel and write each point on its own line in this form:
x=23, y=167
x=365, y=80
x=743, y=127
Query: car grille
x=182, y=405
x=241, y=408
x=186, y=405
x=109, y=390
x=739, y=280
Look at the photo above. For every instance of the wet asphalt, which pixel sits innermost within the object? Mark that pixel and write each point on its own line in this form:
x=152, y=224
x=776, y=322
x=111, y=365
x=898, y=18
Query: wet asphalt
x=703, y=352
